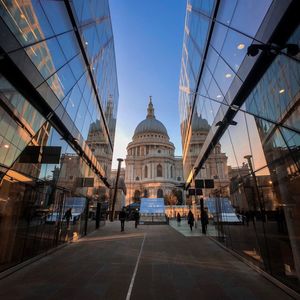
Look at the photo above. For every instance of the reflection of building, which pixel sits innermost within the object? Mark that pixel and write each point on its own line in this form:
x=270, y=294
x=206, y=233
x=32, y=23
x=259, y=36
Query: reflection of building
x=215, y=166
x=69, y=170
x=242, y=189
x=97, y=140
x=152, y=170
x=55, y=81
x=279, y=102
x=251, y=103
x=30, y=30
x=237, y=194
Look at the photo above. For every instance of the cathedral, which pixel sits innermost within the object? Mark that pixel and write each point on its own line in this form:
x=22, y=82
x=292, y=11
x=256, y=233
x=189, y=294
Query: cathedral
x=153, y=171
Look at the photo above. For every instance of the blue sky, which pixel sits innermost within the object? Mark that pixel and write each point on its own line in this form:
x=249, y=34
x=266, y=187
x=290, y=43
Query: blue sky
x=148, y=43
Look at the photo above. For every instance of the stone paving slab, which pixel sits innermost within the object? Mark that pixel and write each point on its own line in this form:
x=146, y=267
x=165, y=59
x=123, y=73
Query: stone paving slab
x=104, y=265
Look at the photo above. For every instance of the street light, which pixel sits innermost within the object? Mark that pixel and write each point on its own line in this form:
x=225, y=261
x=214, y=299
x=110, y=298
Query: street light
x=291, y=49
x=248, y=158
x=225, y=122
x=261, y=206
x=115, y=190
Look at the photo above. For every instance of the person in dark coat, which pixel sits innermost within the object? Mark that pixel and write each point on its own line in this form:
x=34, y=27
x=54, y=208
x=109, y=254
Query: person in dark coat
x=136, y=217
x=68, y=216
x=178, y=219
x=191, y=219
x=204, y=221
x=247, y=217
x=122, y=218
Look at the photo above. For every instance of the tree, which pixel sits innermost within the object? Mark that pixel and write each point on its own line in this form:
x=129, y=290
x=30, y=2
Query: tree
x=137, y=196
x=167, y=199
x=174, y=198
x=170, y=198
x=179, y=197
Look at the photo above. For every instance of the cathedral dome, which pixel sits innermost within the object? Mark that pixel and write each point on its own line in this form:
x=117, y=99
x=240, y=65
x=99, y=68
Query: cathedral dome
x=150, y=124
x=199, y=124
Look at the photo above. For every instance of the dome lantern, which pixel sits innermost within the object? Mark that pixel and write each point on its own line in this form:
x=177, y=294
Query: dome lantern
x=151, y=124
x=150, y=109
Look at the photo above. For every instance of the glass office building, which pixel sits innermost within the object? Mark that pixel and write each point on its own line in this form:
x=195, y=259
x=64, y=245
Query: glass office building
x=58, y=104
x=251, y=103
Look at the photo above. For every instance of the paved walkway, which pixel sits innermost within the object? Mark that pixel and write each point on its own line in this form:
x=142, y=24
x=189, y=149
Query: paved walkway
x=150, y=262
x=185, y=230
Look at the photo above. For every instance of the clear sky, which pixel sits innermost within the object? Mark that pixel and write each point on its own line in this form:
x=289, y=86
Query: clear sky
x=148, y=44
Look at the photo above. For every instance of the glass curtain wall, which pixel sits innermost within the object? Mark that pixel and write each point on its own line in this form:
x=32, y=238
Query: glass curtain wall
x=57, y=122
x=254, y=206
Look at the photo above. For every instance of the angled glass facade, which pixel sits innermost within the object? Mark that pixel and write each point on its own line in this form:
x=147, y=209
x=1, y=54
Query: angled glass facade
x=251, y=104
x=58, y=105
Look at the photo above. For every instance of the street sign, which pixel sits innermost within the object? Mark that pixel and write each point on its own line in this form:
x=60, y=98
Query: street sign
x=204, y=184
x=199, y=183
x=209, y=183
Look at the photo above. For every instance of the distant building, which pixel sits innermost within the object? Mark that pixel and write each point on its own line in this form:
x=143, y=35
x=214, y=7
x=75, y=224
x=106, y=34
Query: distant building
x=152, y=169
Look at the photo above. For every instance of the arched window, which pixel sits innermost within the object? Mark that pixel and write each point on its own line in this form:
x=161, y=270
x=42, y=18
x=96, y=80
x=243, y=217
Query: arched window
x=146, y=172
x=160, y=193
x=159, y=170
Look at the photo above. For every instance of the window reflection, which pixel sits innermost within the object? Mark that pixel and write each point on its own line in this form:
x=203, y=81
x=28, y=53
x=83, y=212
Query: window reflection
x=57, y=15
x=36, y=194
x=255, y=162
x=242, y=18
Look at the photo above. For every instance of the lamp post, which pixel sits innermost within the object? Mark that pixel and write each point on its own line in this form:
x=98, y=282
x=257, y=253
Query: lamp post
x=115, y=190
x=248, y=158
x=261, y=206
x=262, y=211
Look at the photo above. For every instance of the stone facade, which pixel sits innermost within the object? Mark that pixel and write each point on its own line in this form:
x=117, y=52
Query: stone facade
x=215, y=167
x=152, y=170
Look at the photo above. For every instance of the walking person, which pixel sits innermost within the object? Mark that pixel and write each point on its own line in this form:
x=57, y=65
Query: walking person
x=204, y=221
x=178, y=219
x=136, y=217
x=122, y=217
x=68, y=216
x=247, y=217
x=191, y=219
